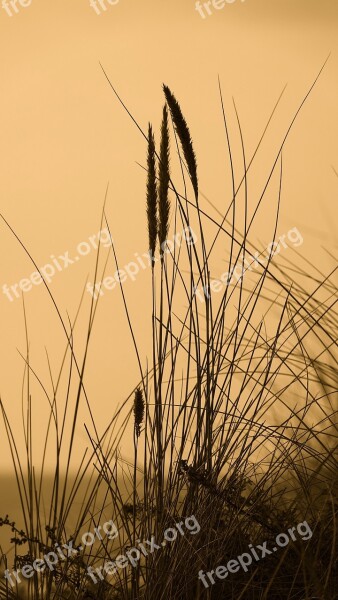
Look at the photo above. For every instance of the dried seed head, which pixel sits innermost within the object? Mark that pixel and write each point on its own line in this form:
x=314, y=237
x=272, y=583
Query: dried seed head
x=184, y=135
x=138, y=411
x=164, y=178
x=151, y=195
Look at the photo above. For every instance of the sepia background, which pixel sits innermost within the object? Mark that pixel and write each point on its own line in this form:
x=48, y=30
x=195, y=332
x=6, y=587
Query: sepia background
x=64, y=137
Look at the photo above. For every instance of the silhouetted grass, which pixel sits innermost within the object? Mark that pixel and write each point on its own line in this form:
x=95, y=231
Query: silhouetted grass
x=234, y=420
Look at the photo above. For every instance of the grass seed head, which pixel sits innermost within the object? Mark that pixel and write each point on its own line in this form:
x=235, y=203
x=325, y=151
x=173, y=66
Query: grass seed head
x=164, y=178
x=152, y=194
x=138, y=411
x=184, y=136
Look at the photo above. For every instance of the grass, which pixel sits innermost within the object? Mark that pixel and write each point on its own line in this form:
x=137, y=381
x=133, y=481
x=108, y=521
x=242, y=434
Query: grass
x=234, y=420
